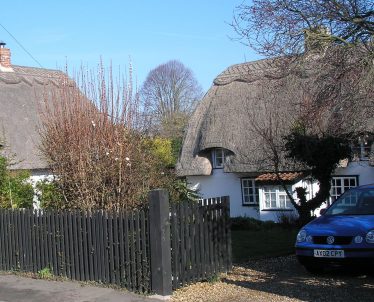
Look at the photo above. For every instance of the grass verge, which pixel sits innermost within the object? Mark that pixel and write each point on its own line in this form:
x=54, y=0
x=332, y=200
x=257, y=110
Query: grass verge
x=265, y=243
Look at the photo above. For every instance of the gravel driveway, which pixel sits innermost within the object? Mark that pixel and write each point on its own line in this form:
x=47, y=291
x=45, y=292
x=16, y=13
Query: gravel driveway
x=280, y=279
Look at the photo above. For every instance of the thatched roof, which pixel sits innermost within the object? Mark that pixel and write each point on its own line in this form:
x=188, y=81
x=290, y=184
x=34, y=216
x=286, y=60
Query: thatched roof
x=21, y=93
x=245, y=100
x=223, y=119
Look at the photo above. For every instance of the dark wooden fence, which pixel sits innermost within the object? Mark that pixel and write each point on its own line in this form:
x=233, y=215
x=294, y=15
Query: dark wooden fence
x=153, y=250
x=200, y=240
x=99, y=246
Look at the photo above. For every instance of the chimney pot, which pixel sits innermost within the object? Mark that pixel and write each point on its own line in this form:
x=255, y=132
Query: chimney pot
x=4, y=57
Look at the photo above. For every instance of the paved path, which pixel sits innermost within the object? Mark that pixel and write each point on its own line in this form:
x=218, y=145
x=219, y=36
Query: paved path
x=20, y=289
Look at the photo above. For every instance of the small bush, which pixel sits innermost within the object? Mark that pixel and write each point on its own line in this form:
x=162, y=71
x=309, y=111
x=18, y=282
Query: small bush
x=49, y=195
x=45, y=273
x=289, y=221
x=248, y=223
x=15, y=189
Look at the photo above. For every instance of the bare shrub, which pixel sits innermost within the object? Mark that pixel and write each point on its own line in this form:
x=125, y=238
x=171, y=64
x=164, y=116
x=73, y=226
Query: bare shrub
x=92, y=139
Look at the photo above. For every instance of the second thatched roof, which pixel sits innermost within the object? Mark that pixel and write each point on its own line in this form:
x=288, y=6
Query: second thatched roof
x=247, y=106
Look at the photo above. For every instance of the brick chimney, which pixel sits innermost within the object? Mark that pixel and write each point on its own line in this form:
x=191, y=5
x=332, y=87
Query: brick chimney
x=5, y=64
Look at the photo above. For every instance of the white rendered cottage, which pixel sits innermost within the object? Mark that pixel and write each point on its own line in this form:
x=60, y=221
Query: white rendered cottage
x=224, y=152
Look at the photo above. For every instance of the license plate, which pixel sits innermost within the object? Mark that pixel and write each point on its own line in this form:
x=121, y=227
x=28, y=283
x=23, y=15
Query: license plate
x=329, y=253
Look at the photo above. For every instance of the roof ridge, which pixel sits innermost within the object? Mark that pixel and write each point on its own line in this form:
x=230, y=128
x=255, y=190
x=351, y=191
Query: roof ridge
x=246, y=71
x=38, y=68
x=251, y=62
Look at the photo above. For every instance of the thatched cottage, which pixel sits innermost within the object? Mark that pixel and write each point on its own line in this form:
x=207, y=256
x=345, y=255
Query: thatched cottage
x=22, y=89
x=225, y=150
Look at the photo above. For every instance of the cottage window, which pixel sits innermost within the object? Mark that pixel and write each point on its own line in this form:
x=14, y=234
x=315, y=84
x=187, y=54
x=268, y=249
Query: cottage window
x=218, y=157
x=340, y=184
x=249, y=192
x=362, y=148
x=276, y=197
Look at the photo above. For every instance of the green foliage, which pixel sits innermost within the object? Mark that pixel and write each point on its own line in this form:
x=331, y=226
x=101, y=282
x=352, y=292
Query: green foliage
x=3, y=170
x=49, y=194
x=45, y=273
x=321, y=154
x=15, y=190
x=162, y=149
x=176, y=146
x=180, y=191
x=165, y=149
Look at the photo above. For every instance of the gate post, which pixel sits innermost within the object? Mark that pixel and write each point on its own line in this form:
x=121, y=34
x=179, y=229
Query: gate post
x=160, y=248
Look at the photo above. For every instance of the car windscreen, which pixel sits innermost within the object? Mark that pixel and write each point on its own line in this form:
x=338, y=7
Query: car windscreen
x=354, y=202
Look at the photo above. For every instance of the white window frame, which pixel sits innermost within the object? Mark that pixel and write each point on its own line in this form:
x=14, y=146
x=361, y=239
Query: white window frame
x=216, y=154
x=250, y=192
x=279, y=199
x=339, y=185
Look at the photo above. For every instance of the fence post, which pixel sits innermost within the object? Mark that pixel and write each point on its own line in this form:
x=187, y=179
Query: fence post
x=160, y=248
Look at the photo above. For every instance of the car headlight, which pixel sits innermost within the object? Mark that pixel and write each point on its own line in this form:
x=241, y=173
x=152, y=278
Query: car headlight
x=370, y=237
x=301, y=236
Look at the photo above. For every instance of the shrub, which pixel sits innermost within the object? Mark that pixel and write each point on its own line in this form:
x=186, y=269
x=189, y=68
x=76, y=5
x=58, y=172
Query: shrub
x=95, y=145
x=15, y=189
x=249, y=223
x=45, y=273
x=49, y=194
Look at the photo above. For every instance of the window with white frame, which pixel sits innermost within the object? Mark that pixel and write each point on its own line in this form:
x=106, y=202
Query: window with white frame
x=340, y=184
x=218, y=157
x=249, y=192
x=275, y=197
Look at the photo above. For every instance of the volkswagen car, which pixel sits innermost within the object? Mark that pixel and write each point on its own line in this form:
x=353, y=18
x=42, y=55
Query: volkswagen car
x=342, y=235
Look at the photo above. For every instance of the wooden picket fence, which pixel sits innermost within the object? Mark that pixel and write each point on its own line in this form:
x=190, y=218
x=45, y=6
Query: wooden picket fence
x=106, y=247
x=115, y=247
x=200, y=240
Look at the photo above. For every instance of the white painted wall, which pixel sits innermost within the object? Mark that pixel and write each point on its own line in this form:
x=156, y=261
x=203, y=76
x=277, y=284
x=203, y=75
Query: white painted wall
x=38, y=175
x=229, y=184
x=223, y=184
x=364, y=171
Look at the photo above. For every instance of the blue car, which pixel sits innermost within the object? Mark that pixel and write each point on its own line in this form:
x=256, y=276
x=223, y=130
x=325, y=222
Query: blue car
x=342, y=235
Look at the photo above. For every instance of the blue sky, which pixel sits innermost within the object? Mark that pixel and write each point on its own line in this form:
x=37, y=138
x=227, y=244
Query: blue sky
x=148, y=32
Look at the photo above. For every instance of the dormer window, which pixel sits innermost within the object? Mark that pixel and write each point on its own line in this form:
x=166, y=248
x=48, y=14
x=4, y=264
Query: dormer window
x=218, y=157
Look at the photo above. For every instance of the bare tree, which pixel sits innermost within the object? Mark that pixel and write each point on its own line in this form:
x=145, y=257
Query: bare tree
x=169, y=94
x=330, y=42
x=324, y=49
x=280, y=142
x=288, y=27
